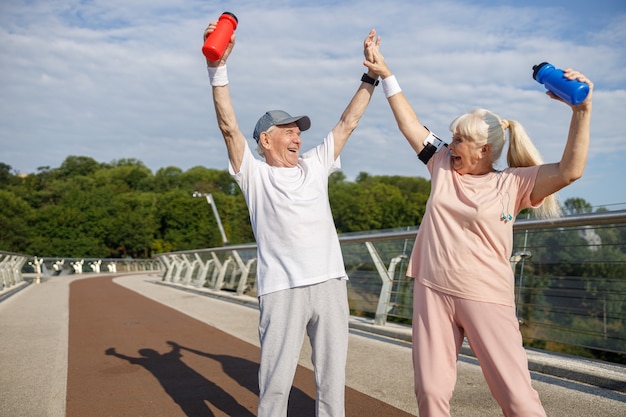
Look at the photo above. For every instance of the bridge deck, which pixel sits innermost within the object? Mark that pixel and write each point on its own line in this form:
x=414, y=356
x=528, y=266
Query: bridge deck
x=99, y=345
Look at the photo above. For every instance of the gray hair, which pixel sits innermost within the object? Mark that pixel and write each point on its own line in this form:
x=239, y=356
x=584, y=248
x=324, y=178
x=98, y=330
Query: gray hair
x=485, y=127
x=259, y=148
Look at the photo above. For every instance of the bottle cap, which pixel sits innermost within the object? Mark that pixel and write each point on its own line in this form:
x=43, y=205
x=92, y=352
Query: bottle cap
x=537, y=68
x=233, y=16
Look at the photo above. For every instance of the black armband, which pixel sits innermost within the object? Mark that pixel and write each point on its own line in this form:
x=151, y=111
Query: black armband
x=432, y=145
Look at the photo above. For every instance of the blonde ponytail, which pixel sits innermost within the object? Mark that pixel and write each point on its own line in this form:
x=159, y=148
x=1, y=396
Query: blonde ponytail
x=523, y=153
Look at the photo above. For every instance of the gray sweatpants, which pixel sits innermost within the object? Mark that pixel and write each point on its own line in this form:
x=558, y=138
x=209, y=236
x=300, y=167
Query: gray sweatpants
x=322, y=311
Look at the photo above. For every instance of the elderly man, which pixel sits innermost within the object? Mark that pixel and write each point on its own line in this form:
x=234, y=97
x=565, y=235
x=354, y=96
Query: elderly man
x=301, y=277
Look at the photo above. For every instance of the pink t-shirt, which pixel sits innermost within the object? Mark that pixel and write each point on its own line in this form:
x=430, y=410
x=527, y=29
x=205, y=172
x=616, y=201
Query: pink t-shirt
x=463, y=245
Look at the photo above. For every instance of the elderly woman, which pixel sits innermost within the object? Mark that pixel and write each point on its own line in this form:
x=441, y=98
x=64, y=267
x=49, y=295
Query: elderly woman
x=464, y=284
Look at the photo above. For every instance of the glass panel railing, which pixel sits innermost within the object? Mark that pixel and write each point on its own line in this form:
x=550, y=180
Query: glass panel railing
x=570, y=277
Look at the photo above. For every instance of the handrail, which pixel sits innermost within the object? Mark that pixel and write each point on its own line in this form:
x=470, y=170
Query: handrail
x=588, y=219
x=591, y=219
x=569, y=267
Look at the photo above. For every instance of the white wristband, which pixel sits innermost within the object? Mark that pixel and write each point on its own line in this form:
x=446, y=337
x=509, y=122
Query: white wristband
x=218, y=76
x=391, y=86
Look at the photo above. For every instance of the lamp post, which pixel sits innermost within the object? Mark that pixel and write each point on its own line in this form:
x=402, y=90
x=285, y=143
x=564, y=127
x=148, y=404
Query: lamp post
x=211, y=202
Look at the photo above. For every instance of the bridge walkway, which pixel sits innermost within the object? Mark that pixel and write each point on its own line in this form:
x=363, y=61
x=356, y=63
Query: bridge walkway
x=123, y=345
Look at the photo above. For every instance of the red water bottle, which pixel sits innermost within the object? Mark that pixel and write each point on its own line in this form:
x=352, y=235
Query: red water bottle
x=217, y=41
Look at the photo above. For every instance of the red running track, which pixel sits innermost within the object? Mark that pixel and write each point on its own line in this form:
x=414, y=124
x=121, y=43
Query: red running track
x=131, y=356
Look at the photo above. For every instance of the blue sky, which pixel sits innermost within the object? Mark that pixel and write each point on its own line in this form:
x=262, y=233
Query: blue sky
x=126, y=79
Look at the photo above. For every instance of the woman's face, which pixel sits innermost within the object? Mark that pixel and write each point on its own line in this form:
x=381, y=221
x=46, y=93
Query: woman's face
x=468, y=157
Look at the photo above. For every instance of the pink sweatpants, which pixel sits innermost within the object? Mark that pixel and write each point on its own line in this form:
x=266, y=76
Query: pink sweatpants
x=440, y=322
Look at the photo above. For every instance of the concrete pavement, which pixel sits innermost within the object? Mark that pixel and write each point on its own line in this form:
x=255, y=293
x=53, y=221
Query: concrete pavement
x=33, y=355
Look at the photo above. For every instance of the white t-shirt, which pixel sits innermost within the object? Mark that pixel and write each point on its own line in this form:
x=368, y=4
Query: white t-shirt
x=291, y=219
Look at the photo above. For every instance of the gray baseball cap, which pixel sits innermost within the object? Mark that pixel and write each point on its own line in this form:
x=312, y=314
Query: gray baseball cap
x=278, y=118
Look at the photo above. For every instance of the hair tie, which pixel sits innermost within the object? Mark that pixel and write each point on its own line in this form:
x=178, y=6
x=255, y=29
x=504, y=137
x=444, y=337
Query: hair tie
x=504, y=124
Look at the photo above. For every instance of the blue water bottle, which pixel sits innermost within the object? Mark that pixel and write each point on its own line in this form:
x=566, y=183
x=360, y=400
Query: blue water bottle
x=572, y=91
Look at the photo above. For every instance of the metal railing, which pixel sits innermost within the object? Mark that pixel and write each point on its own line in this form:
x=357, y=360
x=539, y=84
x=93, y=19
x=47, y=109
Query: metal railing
x=570, y=277
x=13, y=267
x=11, y=270
x=44, y=267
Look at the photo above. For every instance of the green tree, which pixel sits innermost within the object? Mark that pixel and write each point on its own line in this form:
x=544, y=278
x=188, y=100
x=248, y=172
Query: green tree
x=183, y=221
x=134, y=227
x=15, y=215
x=169, y=178
x=77, y=165
x=126, y=175
x=576, y=206
x=5, y=175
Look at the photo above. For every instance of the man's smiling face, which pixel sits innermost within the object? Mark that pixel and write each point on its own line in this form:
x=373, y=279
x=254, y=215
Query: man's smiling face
x=282, y=145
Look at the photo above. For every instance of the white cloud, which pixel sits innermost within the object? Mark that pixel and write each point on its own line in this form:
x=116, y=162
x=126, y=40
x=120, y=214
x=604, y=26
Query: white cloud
x=118, y=79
